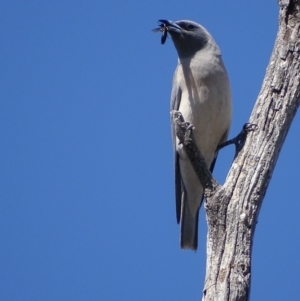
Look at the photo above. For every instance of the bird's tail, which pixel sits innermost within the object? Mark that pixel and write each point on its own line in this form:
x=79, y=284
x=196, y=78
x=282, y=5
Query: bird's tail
x=189, y=227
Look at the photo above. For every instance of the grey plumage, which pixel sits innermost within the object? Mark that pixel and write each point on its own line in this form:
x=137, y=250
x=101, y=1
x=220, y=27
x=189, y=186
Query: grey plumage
x=201, y=92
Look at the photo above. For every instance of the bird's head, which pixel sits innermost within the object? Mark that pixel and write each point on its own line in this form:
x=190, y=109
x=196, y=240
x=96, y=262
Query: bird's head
x=188, y=36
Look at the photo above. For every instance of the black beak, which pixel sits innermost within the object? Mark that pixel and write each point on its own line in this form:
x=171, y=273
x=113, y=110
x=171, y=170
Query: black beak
x=172, y=26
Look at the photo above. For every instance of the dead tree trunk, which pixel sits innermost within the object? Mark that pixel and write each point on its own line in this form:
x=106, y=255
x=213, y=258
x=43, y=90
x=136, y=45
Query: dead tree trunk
x=232, y=212
x=232, y=209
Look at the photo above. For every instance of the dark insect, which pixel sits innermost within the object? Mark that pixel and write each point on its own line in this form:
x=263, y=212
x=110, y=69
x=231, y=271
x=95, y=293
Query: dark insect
x=163, y=29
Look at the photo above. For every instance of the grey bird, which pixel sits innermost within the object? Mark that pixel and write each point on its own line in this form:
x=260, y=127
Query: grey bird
x=201, y=92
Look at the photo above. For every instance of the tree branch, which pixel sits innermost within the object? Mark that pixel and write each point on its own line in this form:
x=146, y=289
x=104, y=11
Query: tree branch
x=184, y=132
x=232, y=214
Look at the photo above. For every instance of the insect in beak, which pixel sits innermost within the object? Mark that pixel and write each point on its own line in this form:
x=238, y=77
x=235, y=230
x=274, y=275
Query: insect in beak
x=164, y=30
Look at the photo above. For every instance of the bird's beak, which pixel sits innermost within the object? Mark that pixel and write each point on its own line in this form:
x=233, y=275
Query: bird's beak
x=171, y=26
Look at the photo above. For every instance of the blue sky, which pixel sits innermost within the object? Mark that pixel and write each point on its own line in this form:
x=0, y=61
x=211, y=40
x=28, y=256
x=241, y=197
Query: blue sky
x=87, y=207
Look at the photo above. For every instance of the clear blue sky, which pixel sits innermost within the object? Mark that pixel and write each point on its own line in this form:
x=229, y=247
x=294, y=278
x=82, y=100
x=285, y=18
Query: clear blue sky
x=87, y=208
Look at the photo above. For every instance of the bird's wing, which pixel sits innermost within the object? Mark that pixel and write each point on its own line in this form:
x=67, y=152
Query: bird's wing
x=175, y=103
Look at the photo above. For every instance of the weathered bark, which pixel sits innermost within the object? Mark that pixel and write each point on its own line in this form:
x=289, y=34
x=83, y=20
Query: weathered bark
x=184, y=132
x=232, y=209
x=232, y=216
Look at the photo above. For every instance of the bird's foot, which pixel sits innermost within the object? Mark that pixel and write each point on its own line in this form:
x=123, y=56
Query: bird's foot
x=240, y=139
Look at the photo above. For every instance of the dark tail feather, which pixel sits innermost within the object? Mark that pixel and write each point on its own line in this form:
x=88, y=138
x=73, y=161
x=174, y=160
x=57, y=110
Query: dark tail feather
x=189, y=227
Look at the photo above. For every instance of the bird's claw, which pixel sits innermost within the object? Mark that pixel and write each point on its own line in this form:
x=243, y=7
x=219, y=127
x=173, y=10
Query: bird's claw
x=249, y=127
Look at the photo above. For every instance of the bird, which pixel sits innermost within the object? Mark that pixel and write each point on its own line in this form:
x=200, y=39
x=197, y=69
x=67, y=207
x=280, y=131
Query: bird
x=201, y=92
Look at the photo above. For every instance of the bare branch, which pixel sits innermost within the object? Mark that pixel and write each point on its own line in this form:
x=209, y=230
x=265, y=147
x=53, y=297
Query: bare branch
x=232, y=216
x=184, y=132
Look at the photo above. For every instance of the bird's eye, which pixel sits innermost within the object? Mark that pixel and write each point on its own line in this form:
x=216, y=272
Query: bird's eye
x=190, y=26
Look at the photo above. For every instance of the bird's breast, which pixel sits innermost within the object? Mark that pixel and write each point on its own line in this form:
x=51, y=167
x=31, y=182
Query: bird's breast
x=205, y=100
